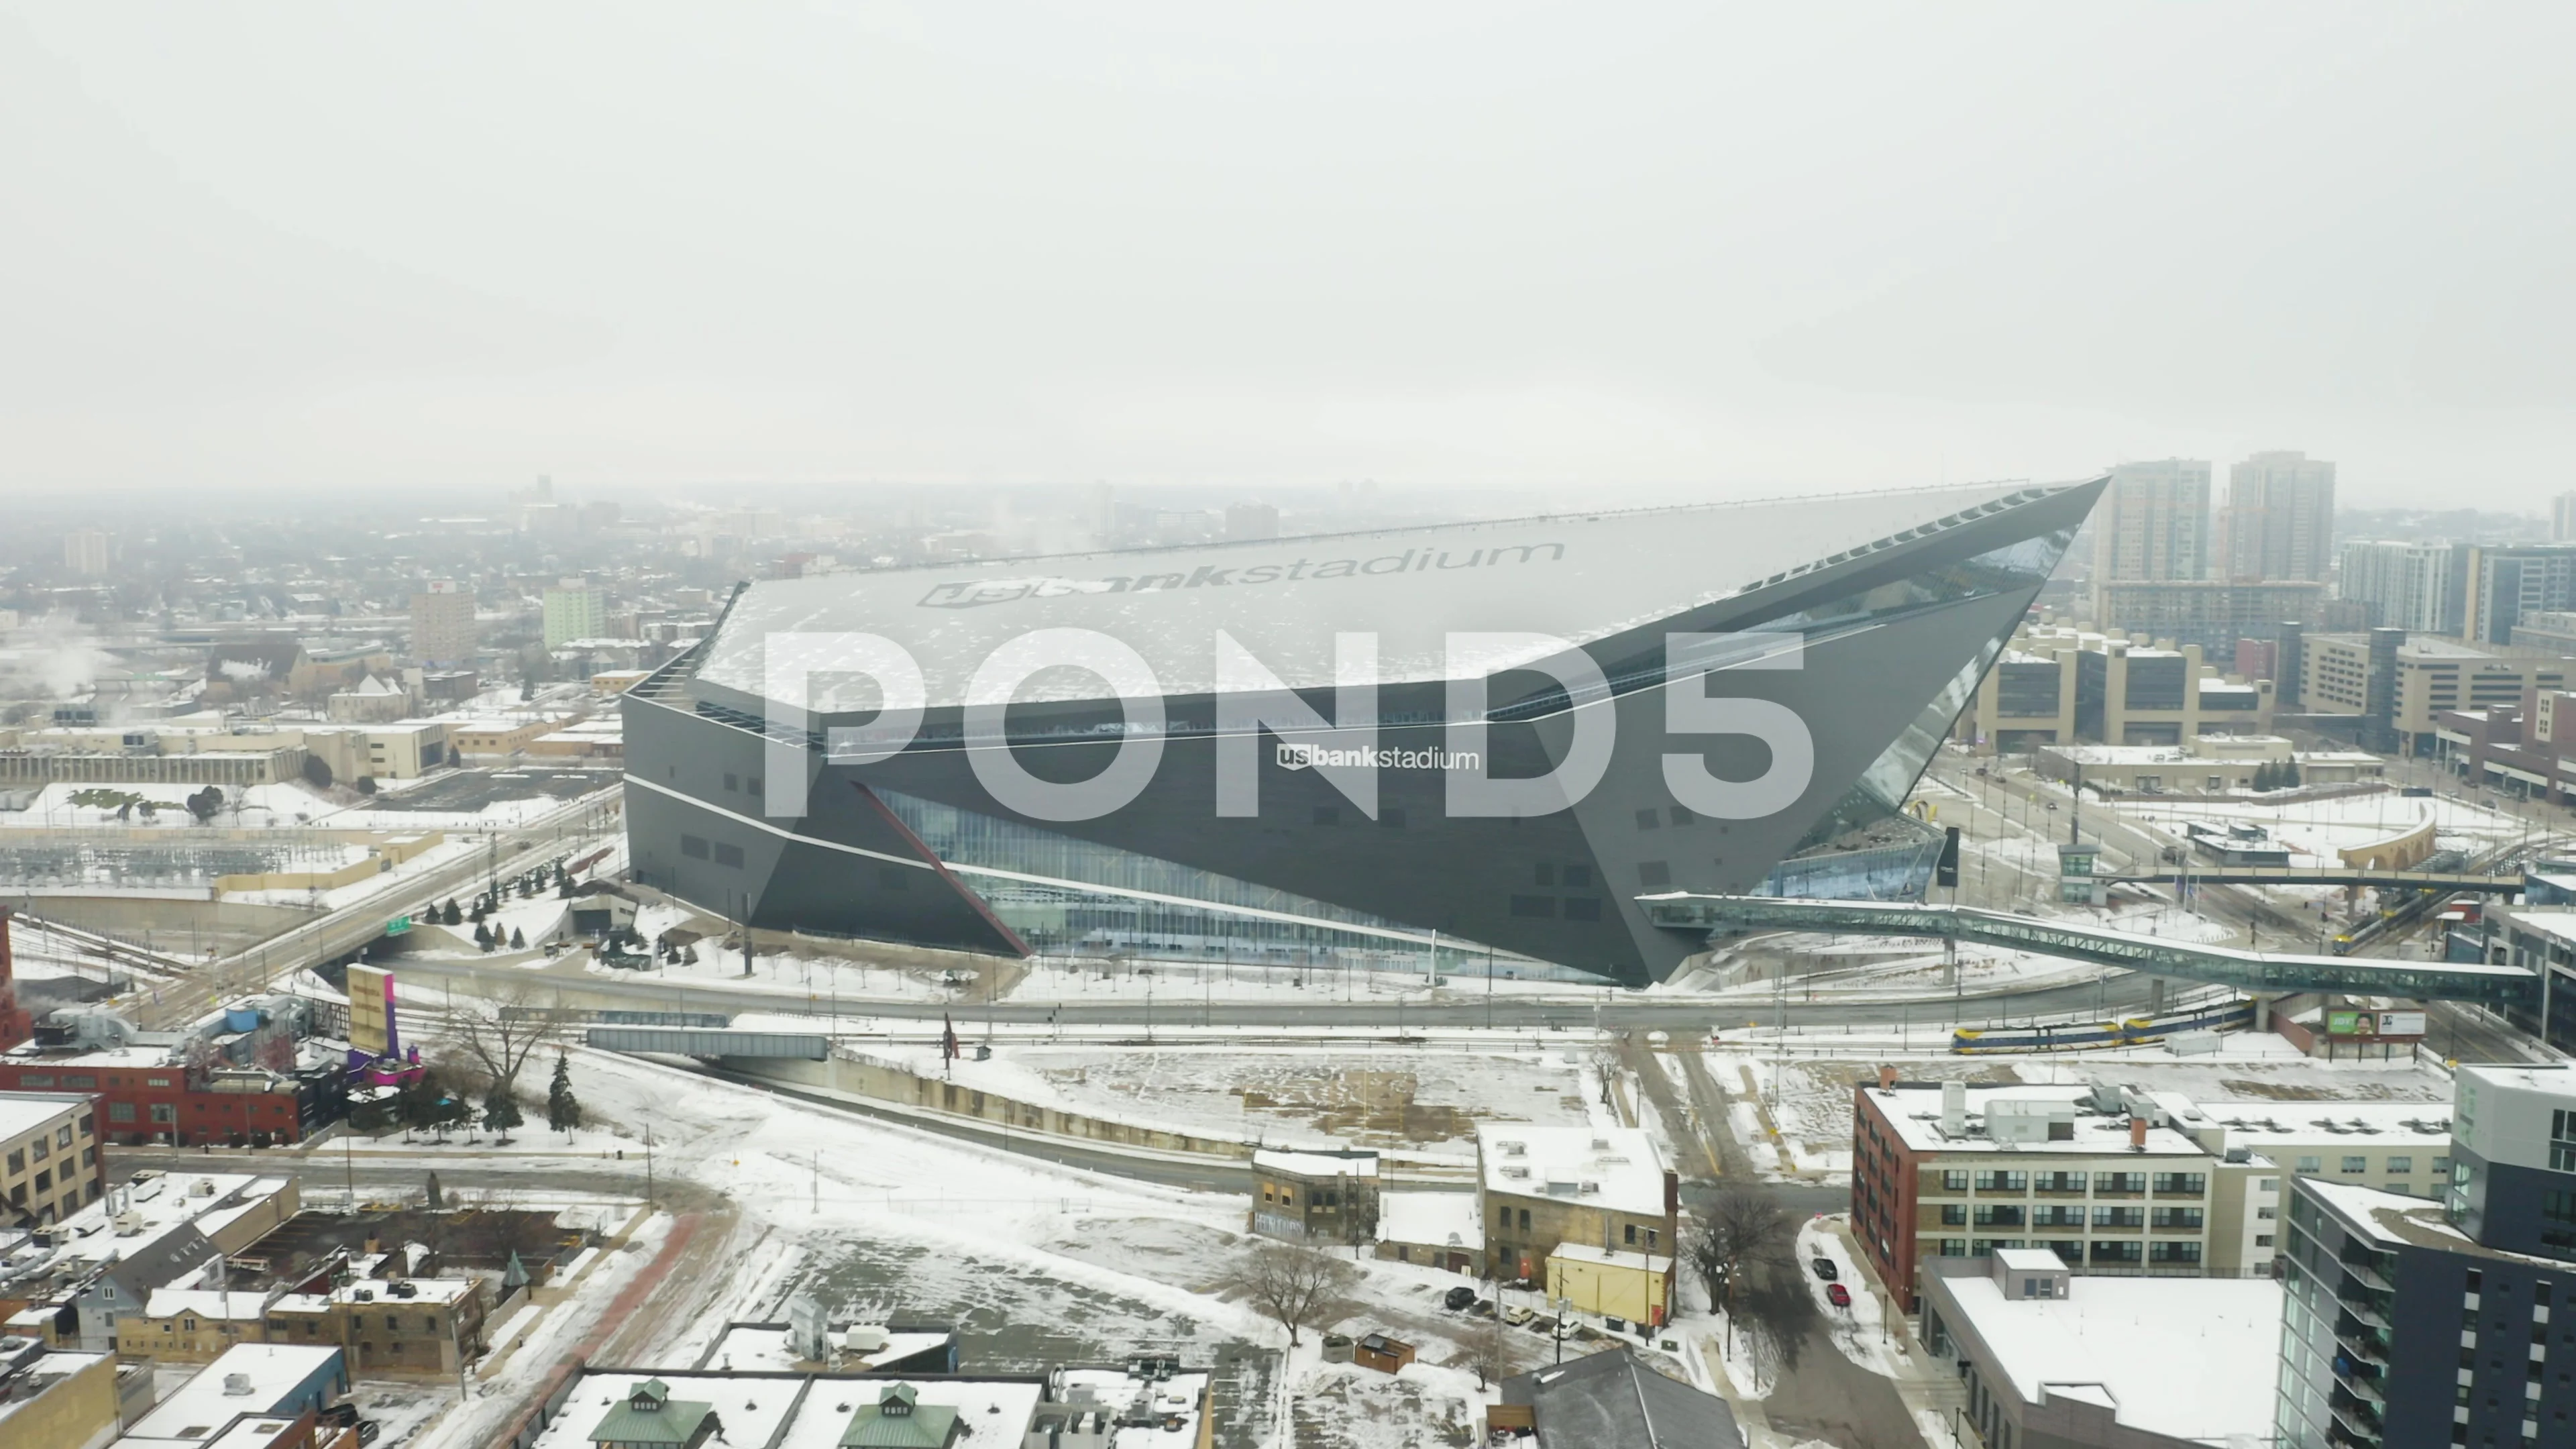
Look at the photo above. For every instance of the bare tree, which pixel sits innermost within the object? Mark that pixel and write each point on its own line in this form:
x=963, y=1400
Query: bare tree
x=1742, y=1231
x=1298, y=1288
x=498, y=1035
x=1605, y=1064
x=1494, y=1351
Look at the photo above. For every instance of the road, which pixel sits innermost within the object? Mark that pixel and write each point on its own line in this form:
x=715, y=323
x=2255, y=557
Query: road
x=200, y=987
x=1627, y=1011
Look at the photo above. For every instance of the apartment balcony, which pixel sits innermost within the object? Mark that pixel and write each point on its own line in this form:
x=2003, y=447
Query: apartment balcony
x=2368, y=1351
x=2367, y=1276
x=2370, y=1314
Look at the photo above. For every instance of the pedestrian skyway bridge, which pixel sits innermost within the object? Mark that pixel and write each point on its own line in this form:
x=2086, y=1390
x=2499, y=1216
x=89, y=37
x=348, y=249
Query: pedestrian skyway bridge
x=2343, y=875
x=2157, y=955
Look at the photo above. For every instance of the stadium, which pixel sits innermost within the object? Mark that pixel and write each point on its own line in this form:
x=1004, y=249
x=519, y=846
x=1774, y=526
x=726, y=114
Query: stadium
x=1463, y=743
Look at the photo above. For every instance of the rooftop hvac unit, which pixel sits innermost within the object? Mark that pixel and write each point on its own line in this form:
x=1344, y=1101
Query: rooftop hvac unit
x=864, y=1338
x=236, y=1385
x=128, y=1223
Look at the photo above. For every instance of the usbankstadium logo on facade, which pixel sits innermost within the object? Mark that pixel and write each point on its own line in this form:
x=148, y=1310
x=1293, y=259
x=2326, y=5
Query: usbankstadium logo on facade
x=1371, y=757
x=982, y=593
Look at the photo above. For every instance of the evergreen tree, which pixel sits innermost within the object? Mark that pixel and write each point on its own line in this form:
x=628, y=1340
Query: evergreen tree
x=563, y=885
x=518, y=939
x=449, y=915
x=501, y=1111
x=2290, y=773
x=563, y=1109
x=2263, y=779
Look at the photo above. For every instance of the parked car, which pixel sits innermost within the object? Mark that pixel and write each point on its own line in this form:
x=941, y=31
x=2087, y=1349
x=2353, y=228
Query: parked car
x=1484, y=1308
x=1826, y=1270
x=368, y=1429
x=1516, y=1316
x=1838, y=1295
x=1458, y=1300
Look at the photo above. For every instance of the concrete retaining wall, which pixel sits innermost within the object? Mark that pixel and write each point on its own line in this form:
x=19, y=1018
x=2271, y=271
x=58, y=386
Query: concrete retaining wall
x=894, y=1085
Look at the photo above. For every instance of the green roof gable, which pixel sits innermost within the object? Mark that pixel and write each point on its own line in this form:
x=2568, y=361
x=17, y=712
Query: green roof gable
x=897, y=1421
x=649, y=1415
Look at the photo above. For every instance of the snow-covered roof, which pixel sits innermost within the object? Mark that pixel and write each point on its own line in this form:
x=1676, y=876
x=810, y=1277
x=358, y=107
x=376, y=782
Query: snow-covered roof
x=2128, y=1342
x=203, y=1303
x=24, y=1112
x=1434, y=1219
x=1579, y=577
x=1915, y=1114
x=767, y=1408
x=2264, y=1123
x=1611, y=1167
x=273, y=1371
x=1612, y=1257
x=1317, y=1164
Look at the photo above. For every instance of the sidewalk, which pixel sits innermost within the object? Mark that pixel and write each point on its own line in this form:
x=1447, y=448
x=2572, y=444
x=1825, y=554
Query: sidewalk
x=1929, y=1388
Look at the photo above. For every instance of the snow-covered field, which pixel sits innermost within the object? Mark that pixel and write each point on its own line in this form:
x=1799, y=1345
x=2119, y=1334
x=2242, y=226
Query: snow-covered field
x=2315, y=830
x=1285, y=1096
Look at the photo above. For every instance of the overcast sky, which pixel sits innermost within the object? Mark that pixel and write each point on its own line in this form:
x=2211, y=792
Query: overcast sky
x=1729, y=250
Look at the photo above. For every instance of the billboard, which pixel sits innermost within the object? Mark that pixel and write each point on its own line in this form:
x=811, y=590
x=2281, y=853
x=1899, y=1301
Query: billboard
x=371, y=1010
x=2374, y=1023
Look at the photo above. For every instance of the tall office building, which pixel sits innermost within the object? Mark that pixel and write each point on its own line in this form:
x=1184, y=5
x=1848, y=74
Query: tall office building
x=2153, y=522
x=85, y=552
x=2562, y=518
x=574, y=610
x=2414, y=586
x=2279, y=519
x=2500, y=587
x=442, y=623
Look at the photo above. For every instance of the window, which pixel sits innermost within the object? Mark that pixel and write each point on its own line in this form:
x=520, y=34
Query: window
x=1954, y=1182
x=2401, y=1164
x=2310, y=1164
x=729, y=855
x=2173, y=1252
x=2562, y=1141
x=2168, y=1217
x=1954, y=1215
x=2119, y=1217
x=1994, y=1181
x=165, y=1112
x=693, y=846
x=1536, y=907
x=2441, y=1168
x=2355, y=1165
x=2262, y=1240
x=731, y=781
x=1578, y=877
x=2184, y=1184
x=1525, y=1221
x=2119, y=1182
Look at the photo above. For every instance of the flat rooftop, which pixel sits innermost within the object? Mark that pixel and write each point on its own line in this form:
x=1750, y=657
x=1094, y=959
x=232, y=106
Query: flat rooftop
x=24, y=1112
x=1614, y=1167
x=1914, y=1110
x=1317, y=1164
x=1438, y=1219
x=201, y=1404
x=2192, y=1358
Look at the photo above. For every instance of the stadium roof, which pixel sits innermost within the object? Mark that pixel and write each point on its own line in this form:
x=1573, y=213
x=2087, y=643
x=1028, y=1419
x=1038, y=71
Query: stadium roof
x=1581, y=577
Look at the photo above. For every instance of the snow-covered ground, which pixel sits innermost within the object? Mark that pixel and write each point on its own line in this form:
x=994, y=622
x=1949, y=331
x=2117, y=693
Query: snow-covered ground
x=2315, y=830
x=1283, y=1096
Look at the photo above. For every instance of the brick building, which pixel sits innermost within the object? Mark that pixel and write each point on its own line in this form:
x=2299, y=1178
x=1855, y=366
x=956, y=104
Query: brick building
x=1602, y=1188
